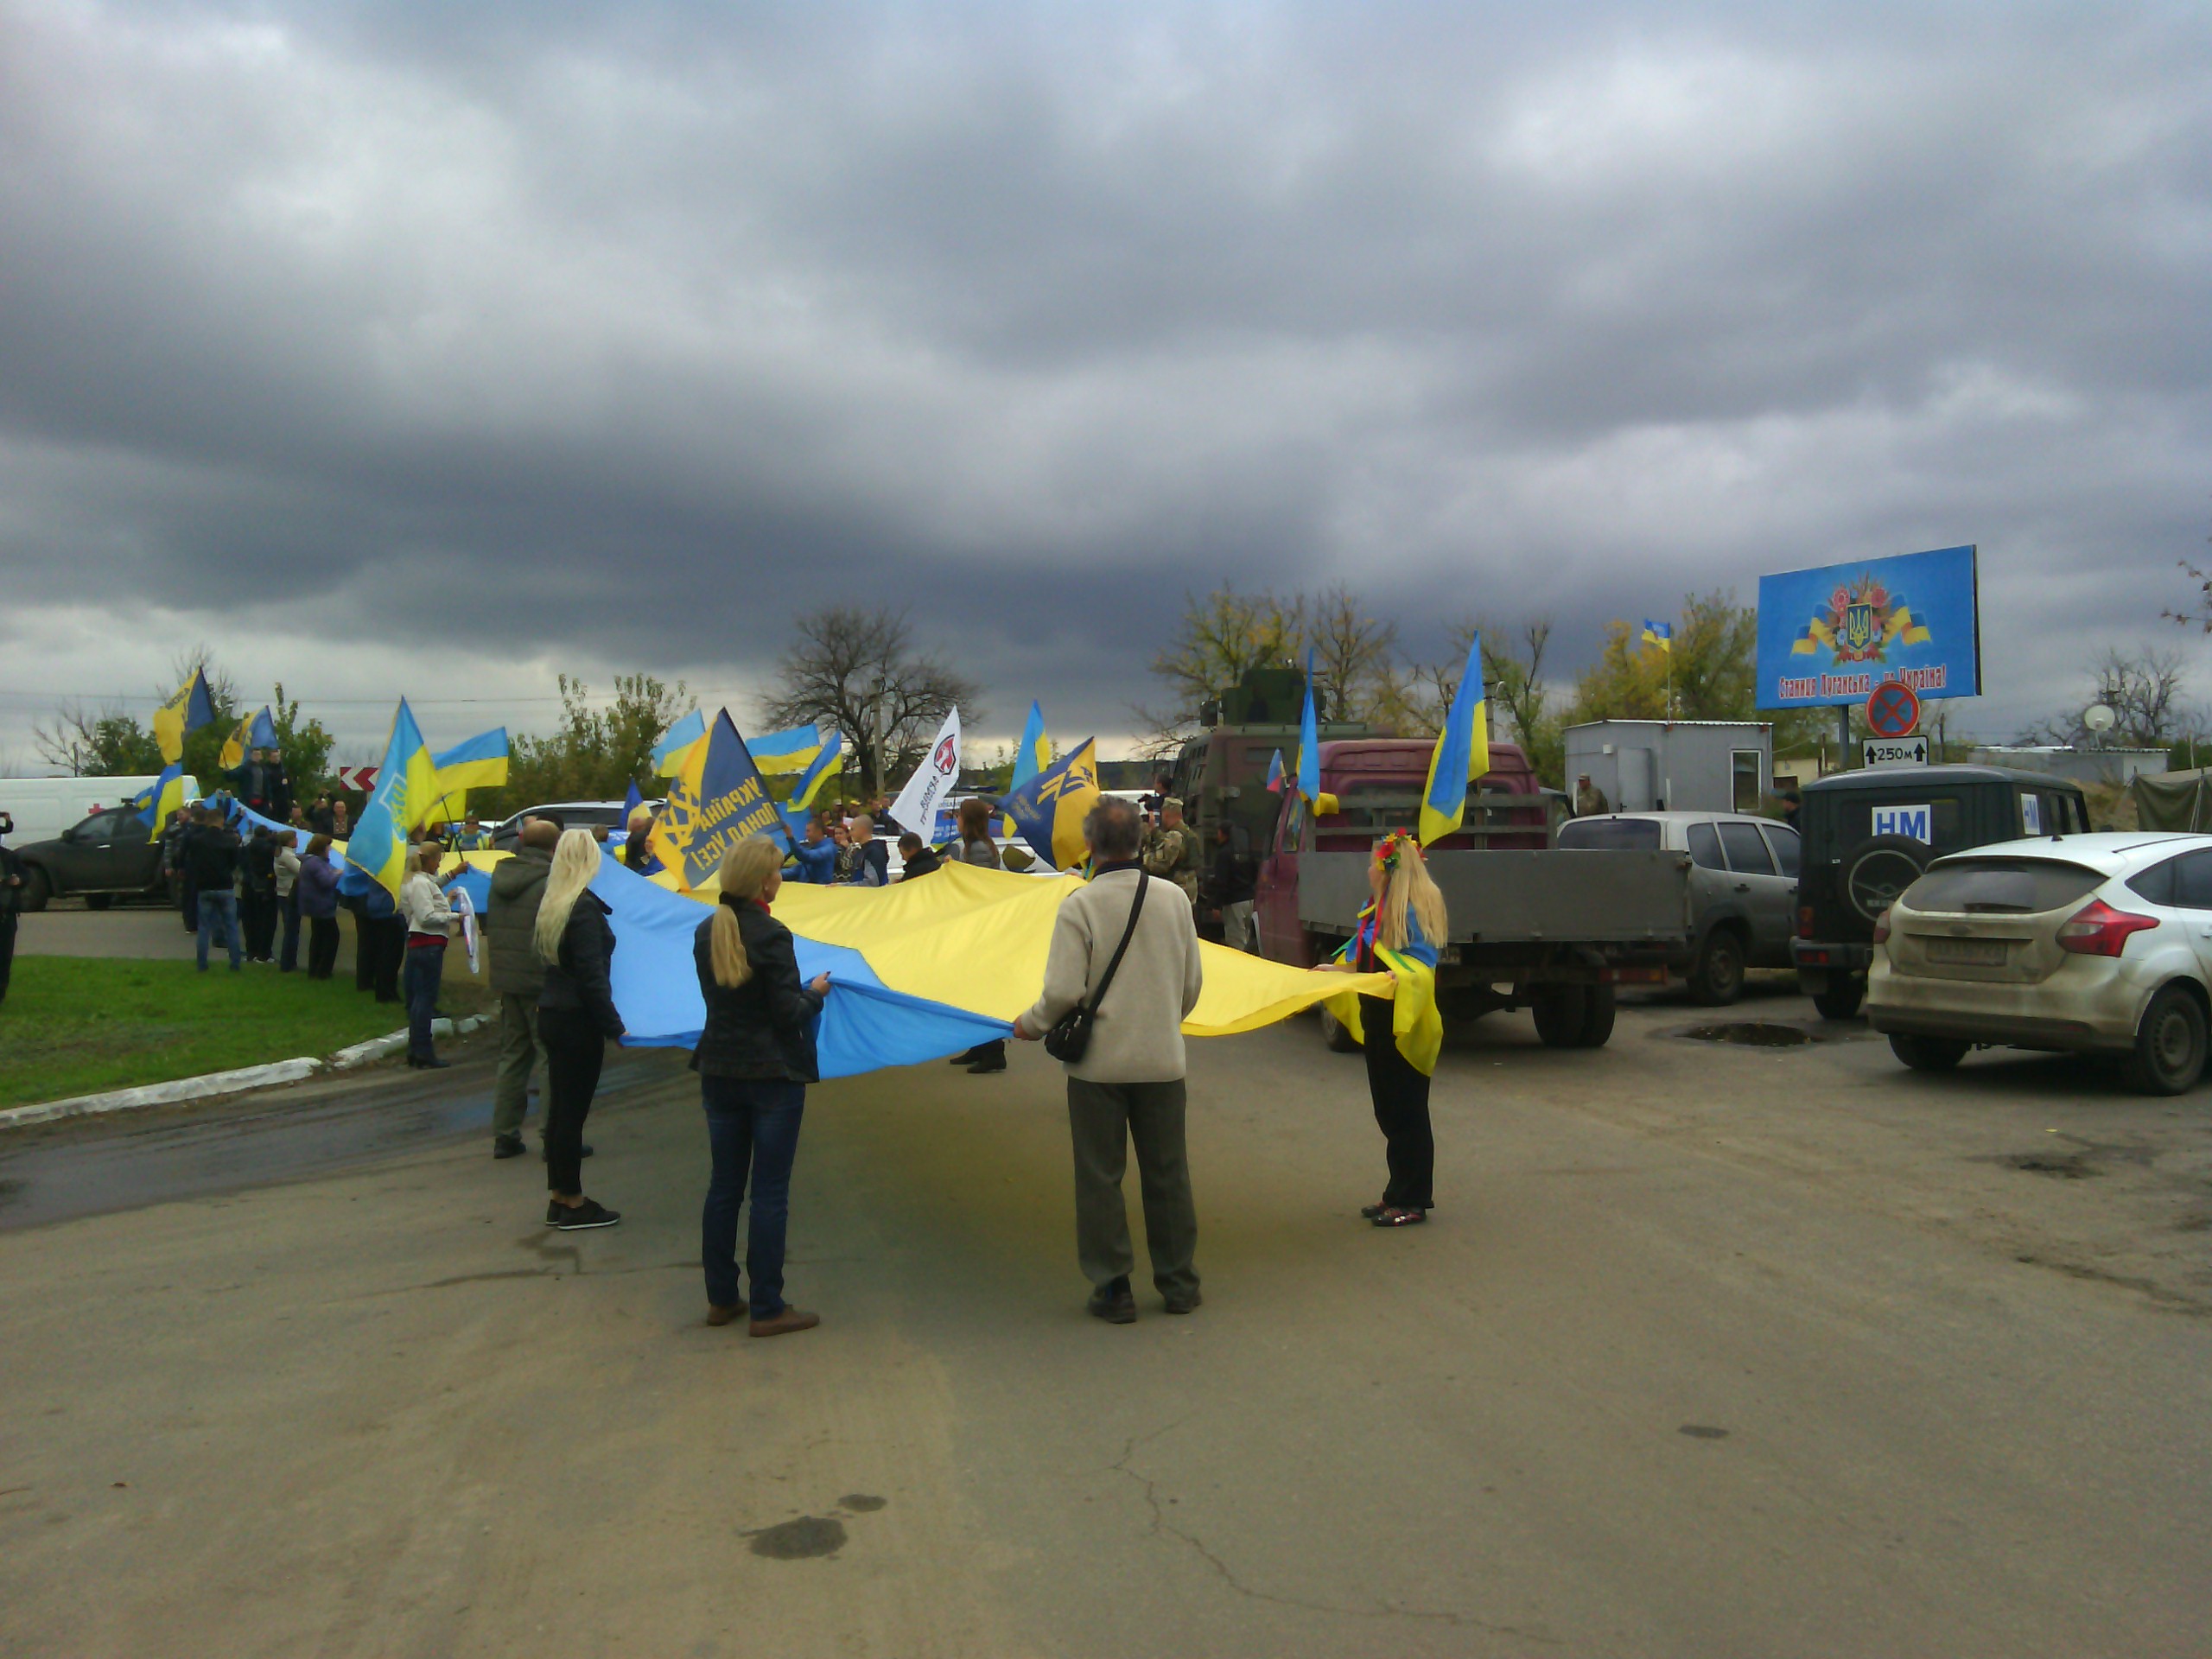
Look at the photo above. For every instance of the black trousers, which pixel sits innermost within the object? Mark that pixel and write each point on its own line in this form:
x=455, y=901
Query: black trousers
x=390, y=933
x=322, y=946
x=257, y=918
x=7, y=950
x=1401, y=1097
x=575, y=1051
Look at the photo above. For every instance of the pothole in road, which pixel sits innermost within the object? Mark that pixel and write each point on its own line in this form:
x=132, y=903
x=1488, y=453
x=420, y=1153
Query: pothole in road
x=1756, y=1034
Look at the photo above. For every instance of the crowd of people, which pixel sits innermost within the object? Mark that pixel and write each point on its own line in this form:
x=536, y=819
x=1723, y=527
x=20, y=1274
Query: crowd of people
x=1122, y=973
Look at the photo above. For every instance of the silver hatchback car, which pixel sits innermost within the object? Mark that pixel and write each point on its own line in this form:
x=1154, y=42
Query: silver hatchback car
x=2095, y=942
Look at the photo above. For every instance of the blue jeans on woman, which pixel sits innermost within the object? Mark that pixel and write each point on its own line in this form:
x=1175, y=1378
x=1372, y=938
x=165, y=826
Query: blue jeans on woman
x=426, y=966
x=752, y=1126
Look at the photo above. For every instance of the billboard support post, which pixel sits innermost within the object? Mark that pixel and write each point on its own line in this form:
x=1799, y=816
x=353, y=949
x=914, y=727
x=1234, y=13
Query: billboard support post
x=1842, y=736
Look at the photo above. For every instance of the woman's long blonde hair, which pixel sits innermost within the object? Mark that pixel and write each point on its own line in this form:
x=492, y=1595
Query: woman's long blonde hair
x=575, y=860
x=746, y=869
x=1411, y=888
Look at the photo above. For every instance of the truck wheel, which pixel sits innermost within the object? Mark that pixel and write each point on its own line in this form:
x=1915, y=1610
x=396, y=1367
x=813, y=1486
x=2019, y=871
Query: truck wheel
x=1717, y=978
x=1927, y=1053
x=1597, y=1023
x=1562, y=1013
x=1334, y=1033
x=2169, y=1053
x=98, y=900
x=38, y=887
x=1840, y=997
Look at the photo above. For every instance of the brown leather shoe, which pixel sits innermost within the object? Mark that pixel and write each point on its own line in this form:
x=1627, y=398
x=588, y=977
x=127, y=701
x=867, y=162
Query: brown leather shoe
x=731, y=1315
x=782, y=1324
x=1183, y=1304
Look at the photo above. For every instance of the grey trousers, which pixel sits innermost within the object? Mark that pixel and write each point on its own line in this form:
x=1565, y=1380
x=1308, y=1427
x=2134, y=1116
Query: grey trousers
x=518, y=1054
x=1236, y=927
x=1103, y=1118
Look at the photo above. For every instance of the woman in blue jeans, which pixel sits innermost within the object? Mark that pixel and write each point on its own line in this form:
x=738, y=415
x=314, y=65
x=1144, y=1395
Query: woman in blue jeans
x=754, y=1060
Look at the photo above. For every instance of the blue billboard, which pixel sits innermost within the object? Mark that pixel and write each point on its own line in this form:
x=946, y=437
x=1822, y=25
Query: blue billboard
x=1832, y=634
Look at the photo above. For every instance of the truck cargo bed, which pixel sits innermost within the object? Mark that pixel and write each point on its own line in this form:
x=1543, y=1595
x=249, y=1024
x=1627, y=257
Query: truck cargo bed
x=1501, y=897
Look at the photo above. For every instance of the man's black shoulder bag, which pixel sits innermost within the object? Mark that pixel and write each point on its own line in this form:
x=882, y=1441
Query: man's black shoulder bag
x=1070, y=1033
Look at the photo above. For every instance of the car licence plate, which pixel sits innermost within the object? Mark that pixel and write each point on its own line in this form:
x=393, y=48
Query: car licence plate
x=1969, y=953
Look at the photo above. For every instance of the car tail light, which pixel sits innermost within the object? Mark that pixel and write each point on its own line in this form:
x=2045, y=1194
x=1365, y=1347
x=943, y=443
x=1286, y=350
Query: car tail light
x=1882, y=928
x=1804, y=921
x=2101, y=930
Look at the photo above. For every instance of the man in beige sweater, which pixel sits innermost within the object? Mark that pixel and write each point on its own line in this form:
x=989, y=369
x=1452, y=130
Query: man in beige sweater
x=1128, y=1085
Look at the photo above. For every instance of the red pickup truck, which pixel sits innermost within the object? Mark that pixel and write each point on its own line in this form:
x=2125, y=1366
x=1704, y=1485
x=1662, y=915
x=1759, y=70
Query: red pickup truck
x=1533, y=926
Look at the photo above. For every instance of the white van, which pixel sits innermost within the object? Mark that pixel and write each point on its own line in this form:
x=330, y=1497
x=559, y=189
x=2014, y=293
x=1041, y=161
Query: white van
x=43, y=807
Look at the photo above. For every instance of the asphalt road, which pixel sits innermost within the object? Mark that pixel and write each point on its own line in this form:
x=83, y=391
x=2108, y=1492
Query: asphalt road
x=1712, y=1349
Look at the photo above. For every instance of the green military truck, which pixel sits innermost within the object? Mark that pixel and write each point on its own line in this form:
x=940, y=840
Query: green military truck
x=1221, y=775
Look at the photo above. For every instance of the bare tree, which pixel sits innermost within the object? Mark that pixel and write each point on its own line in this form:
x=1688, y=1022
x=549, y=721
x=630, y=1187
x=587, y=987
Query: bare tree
x=2144, y=692
x=1354, y=654
x=858, y=670
x=1217, y=639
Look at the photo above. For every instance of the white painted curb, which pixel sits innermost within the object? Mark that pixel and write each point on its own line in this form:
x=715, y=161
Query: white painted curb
x=164, y=1094
x=226, y=1083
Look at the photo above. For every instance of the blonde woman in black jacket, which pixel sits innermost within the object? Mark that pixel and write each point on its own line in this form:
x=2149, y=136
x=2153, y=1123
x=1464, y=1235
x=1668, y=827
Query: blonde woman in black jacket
x=754, y=1060
x=575, y=1016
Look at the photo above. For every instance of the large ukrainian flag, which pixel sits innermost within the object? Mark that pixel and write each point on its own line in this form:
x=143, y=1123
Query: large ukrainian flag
x=1462, y=753
x=407, y=789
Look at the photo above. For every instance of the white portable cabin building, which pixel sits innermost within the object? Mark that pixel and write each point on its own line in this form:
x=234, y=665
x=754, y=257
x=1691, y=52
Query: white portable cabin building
x=1683, y=765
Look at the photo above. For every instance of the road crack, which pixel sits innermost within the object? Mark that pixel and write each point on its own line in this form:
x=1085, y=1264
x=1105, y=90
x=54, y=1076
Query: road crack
x=1163, y=1526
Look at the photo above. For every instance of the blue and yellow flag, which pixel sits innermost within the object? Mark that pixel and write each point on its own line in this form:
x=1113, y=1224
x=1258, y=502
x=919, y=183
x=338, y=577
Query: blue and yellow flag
x=1309, y=746
x=1031, y=755
x=232, y=754
x=717, y=801
x=829, y=764
x=1661, y=634
x=407, y=789
x=164, y=796
x=477, y=762
x=1049, y=809
x=673, y=752
x=258, y=732
x=1462, y=753
x=181, y=715
x=785, y=754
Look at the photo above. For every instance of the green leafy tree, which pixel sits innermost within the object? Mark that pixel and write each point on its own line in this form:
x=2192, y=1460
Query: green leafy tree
x=597, y=753
x=1712, y=674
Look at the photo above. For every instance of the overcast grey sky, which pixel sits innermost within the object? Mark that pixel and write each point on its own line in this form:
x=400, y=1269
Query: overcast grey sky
x=439, y=349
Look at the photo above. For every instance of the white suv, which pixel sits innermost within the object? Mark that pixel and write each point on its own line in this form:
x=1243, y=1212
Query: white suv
x=2099, y=943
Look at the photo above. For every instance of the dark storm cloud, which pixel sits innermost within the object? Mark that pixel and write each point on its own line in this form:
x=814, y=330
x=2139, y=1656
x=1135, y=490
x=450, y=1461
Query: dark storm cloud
x=634, y=329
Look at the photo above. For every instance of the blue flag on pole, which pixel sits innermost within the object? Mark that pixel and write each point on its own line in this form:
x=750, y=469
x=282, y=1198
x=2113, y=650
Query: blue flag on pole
x=676, y=745
x=1309, y=745
x=407, y=788
x=1462, y=753
x=717, y=801
x=1049, y=809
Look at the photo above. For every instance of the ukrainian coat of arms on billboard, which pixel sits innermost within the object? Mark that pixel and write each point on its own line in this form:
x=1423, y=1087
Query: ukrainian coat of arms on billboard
x=1860, y=621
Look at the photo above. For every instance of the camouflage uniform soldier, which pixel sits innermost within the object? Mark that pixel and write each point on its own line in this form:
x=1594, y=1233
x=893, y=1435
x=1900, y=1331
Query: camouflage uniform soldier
x=1172, y=851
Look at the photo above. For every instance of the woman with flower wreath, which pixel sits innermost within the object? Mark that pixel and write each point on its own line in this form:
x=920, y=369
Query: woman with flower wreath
x=1398, y=934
